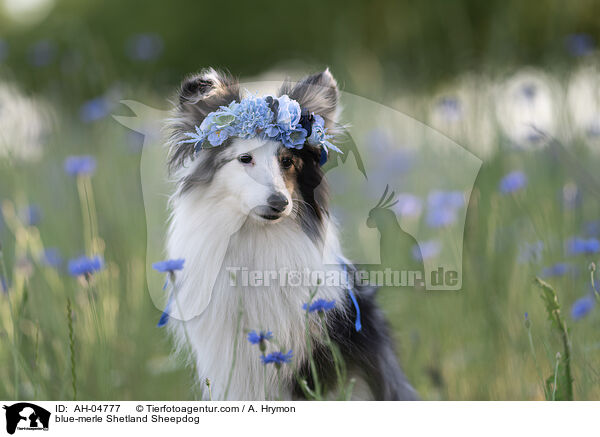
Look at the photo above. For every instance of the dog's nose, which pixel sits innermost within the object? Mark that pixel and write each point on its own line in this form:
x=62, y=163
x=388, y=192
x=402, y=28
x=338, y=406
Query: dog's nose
x=277, y=202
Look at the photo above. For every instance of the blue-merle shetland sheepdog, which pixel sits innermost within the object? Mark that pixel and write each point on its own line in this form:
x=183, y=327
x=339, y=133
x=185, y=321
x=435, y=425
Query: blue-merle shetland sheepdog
x=254, y=204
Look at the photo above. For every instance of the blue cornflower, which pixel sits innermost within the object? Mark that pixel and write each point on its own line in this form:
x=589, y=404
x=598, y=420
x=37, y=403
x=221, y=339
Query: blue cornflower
x=3, y=284
x=80, y=165
x=445, y=199
x=592, y=228
x=442, y=207
x=51, y=257
x=439, y=218
x=579, y=246
x=258, y=337
x=42, y=53
x=277, y=358
x=31, y=215
x=558, y=269
x=144, y=47
x=319, y=305
x=582, y=307
x=84, y=266
x=579, y=44
x=512, y=182
x=95, y=109
x=450, y=107
x=426, y=250
x=169, y=266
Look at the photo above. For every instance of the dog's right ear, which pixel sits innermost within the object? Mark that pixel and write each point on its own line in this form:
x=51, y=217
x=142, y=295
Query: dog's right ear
x=199, y=95
x=208, y=85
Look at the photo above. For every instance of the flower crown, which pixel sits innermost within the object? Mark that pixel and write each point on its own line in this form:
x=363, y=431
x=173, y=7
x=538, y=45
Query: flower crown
x=279, y=119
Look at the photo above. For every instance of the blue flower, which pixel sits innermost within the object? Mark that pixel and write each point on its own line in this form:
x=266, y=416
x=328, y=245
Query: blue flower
x=196, y=138
x=450, y=107
x=294, y=139
x=288, y=116
x=579, y=44
x=4, y=284
x=144, y=47
x=42, y=53
x=439, y=218
x=51, y=257
x=558, y=269
x=513, y=182
x=277, y=358
x=442, y=207
x=319, y=305
x=260, y=338
x=95, y=109
x=446, y=199
x=582, y=307
x=31, y=215
x=85, y=266
x=169, y=266
x=253, y=115
x=80, y=165
x=583, y=246
x=319, y=137
x=426, y=250
x=592, y=228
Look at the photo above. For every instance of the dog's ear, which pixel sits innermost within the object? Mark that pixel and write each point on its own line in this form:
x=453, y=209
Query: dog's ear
x=199, y=95
x=209, y=86
x=316, y=93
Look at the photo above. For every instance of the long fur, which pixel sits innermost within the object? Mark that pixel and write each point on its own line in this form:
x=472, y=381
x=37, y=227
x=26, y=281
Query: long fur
x=213, y=226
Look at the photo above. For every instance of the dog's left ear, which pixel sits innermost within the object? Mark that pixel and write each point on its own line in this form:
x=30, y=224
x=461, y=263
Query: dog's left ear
x=316, y=93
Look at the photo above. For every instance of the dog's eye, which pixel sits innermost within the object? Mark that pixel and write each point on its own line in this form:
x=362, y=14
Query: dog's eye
x=287, y=162
x=245, y=158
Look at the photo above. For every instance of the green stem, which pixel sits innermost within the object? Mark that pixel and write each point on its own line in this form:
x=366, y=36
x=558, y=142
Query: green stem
x=596, y=294
x=85, y=215
x=555, y=376
x=537, y=366
x=72, y=348
x=265, y=380
x=313, y=367
x=335, y=354
x=14, y=324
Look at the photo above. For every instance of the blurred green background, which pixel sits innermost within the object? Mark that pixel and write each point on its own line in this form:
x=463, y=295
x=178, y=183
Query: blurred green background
x=483, y=73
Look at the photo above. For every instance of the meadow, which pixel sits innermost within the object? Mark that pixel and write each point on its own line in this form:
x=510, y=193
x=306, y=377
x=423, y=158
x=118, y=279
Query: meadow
x=63, y=335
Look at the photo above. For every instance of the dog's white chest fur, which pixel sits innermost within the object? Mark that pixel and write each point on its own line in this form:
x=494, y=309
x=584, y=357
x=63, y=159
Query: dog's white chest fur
x=212, y=244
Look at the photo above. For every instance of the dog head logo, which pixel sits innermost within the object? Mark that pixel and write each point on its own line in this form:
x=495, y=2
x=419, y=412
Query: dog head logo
x=26, y=416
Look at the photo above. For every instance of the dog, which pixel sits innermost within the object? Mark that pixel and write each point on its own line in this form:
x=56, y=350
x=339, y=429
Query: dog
x=253, y=204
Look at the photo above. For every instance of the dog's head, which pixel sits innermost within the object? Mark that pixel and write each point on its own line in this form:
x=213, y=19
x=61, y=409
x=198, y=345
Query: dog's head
x=257, y=177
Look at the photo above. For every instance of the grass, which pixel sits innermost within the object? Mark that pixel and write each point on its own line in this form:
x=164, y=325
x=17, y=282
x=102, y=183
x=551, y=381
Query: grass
x=471, y=344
